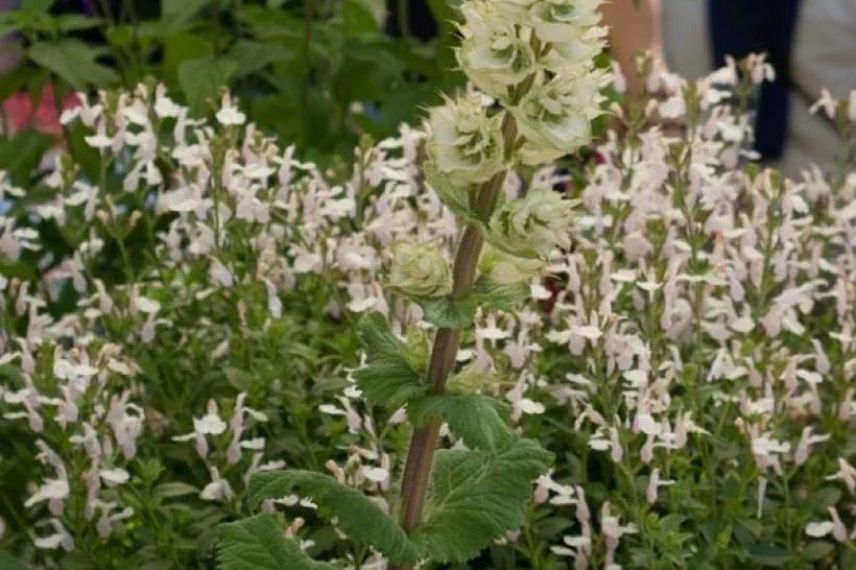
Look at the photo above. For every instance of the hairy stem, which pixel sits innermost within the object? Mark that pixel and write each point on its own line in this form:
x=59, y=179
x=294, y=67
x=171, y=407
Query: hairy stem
x=423, y=442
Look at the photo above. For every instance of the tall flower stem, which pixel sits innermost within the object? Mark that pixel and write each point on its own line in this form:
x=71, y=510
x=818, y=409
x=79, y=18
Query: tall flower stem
x=423, y=442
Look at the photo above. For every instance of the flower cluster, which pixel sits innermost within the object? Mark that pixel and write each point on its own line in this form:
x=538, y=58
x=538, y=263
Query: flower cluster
x=538, y=57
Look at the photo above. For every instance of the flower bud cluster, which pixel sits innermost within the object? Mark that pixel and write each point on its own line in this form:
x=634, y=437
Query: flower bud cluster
x=547, y=48
x=536, y=58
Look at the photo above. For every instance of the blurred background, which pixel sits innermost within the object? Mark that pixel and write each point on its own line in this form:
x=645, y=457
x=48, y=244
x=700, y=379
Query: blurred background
x=321, y=74
x=317, y=73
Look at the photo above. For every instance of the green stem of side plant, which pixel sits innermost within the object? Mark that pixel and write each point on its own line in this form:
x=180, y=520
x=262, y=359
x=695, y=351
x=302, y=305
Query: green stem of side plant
x=423, y=442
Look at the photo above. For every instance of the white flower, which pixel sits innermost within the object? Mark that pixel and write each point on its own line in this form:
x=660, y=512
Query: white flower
x=209, y=424
x=60, y=538
x=532, y=226
x=819, y=529
x=114, y=477
x=51, y=489
x=419, y=270
x=229, y=115
x=528, y=406
x=218, y=489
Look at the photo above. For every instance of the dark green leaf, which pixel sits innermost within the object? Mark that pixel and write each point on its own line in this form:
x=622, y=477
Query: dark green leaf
x=388, y=378
x=476, y=418
x=447, y=312
x=176, y=13
x=258, y=543
x=477, y=496
x=202, y=79
x=818, y=550
x=183, y=46
x=361, y=519
x=768, y=554
x=251, y=56
x=20, y=156
x=74, y=62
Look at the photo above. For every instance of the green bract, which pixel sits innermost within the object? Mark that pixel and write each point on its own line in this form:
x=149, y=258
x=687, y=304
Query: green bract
x=501, y=268
x=465, y=146
x=496, y=53
x=555, y=117
x=533, y=225
x=559, y=20
x=419, y=270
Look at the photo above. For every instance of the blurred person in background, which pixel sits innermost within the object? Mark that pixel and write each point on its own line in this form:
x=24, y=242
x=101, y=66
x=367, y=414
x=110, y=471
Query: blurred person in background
x=811, y=45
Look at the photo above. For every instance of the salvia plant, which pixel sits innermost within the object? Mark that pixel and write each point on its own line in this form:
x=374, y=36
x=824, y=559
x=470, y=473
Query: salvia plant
x=537, y=93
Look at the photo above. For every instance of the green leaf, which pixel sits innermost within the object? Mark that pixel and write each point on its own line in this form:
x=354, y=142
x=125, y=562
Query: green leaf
x=258, y=543
x=74, y=62
x=477, y=496
x=448, y=312
x=176, y=13
x=388, y=378
x=502, y=297
x=817, y=550
x=476, y=418
x=20, y=155
x=175, y=489
x=202, y=78
x=74, y=22
x=768, y=554
x=455, y=197
x=252, y=56
x=9, y=562
x=183, y=46
x=361, y=519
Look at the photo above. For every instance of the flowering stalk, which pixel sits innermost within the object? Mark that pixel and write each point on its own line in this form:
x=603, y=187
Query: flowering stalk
x=446, y=343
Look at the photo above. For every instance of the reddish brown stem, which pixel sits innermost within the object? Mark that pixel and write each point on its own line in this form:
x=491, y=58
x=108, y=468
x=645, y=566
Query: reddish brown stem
x=423, y=442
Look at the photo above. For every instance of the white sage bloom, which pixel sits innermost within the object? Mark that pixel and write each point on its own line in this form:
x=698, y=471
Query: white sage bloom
x=465, y=146
x=496, y=52
x=419, y=270
x=533, y=225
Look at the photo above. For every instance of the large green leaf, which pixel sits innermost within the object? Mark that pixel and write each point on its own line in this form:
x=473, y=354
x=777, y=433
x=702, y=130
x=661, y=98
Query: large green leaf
x=361, y=519
x=258, y=543
x=176, y=13
x=476, y=418
x=251, y=56
x=20, y=155
x=74, y=62
x=388, y=378
x=202, y=79
x=476, y=496
x=448, y=312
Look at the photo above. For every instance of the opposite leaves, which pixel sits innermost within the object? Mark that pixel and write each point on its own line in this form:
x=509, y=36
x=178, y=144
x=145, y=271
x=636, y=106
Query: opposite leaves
x=477, y=496
x=258, y=543
x=361, y=519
